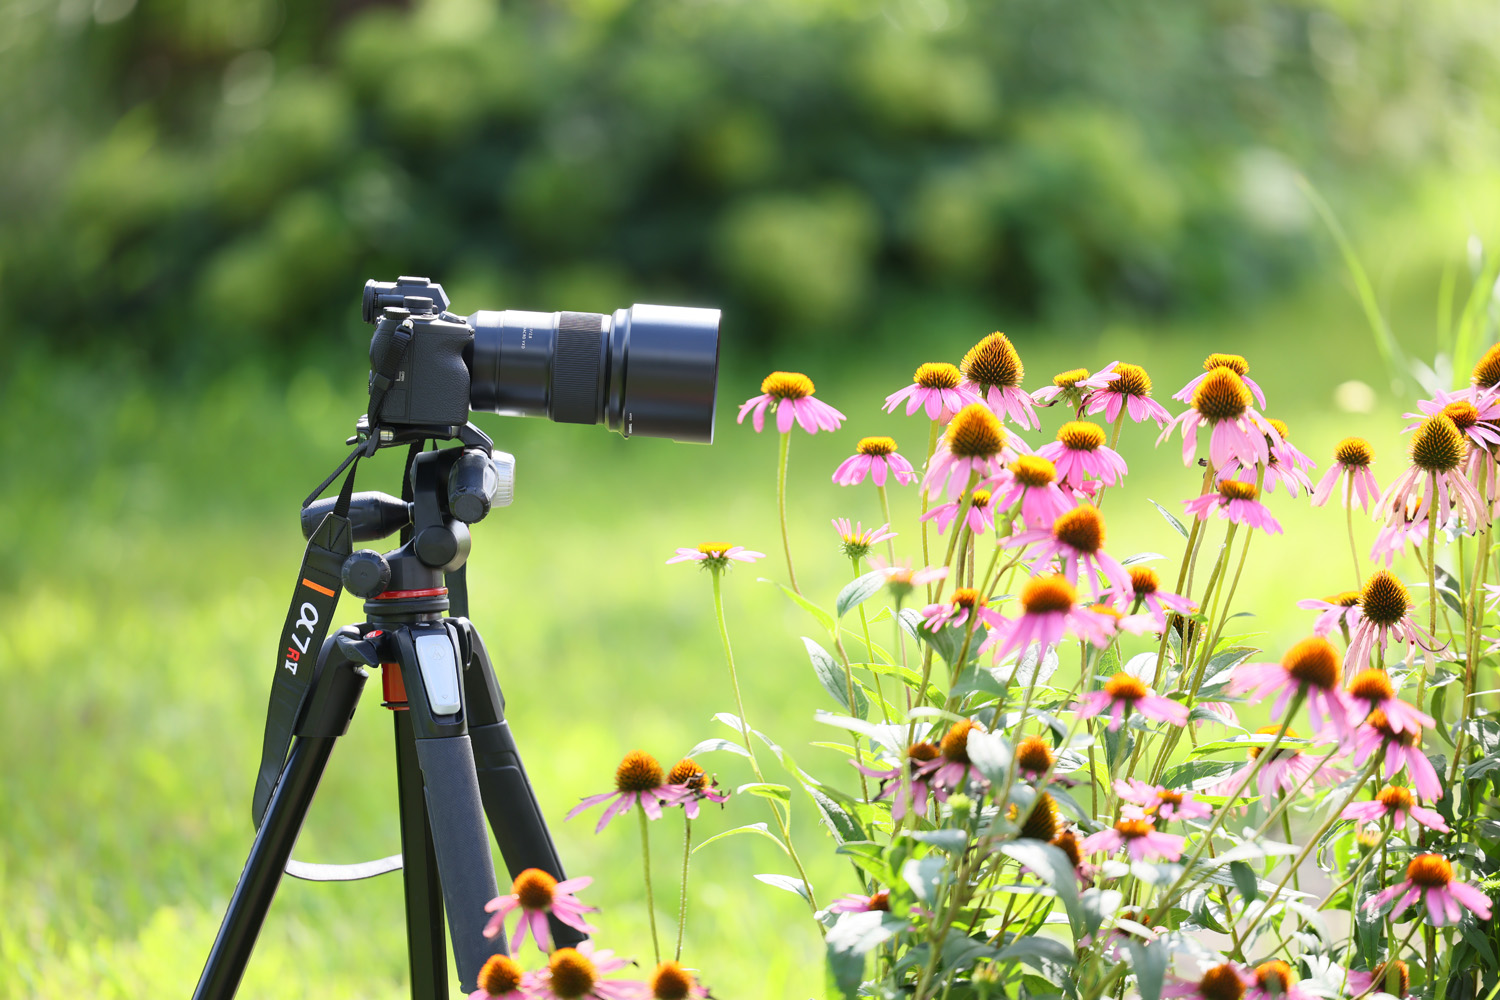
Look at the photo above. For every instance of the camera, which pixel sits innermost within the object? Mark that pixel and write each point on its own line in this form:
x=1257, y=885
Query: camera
x=648, y=369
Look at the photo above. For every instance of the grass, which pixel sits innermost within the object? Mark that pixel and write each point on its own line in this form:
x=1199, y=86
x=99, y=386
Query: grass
x=151, y=539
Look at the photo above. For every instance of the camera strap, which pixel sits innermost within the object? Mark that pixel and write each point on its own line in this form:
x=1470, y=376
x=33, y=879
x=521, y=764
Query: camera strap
x=314, y=599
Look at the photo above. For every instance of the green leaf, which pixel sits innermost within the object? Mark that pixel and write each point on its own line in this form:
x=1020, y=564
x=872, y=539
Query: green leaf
x=790, y=883
x=1245, y=742
x=951, y=841
x=1197, y=772
x=1245, y=881
x=1037, y=952
x=715, y=744
x=1170, y=519
x=831, y=676
x=759, y=828
x=823, y=617
x=1141, y=557
x=1150, y=967
x=871, y=857
x=859, y=590
x=991, y=753
x=1052, y=866
x=838, y=818
x=766, y=790
x=890, y=737
x=924, y=875
x=850, y=940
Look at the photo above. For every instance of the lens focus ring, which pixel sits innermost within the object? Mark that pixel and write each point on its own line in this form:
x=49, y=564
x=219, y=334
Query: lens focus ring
x=577, y=368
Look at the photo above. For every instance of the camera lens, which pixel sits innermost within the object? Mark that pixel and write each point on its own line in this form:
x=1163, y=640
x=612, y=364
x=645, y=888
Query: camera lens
x=649, y=370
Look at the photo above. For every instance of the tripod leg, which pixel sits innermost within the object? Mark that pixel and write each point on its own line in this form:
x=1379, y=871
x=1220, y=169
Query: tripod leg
x=425, y=947
x=336, y=688
x=510, y=803
x=428, y=654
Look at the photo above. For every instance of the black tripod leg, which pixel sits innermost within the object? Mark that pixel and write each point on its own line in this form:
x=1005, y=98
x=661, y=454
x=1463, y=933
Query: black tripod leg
x=330, y=706
x=510, y=803
x=425, y=946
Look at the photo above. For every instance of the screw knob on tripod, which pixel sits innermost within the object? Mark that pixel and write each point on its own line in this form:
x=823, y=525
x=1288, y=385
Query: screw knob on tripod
x=366, y=573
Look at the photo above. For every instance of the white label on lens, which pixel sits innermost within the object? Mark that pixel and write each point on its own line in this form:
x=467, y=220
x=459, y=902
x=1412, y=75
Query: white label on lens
x=439, y=666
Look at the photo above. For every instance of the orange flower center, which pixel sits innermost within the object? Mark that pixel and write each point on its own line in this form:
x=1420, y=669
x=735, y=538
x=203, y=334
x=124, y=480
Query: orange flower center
x=1463, y=413
x=876, y=446
x=638, y=772
x=1222, y=395
x=1068, y=844
x=1080, y=435
x=1044, y=594
x=500, y=975
x=1372, y=685
x=1274, y=977
x=1234, y=489
x=993, y=361
x=686, y=771
x=1280, y=752
x=573, y=975
x=1403, y=976
x=1384, y=599
x=1130, y=380
x=881, y=901
x=1409, y=736
x=1233, y=362
x=975, y=433
x=533, y=889
x=1133, y=828
x=1123, y=687
x=1487, y=372
x=1438, y=445
x=1430, y=871
x=1354, y=451
x=1082, y=528
x=670, y=981
x=1033, y=471
x=937, y=375
x=921, y=752
x=1033, y=754
x=968, y=597
x=1070, y=378
x=1395, y=797
x=1313, y=662
x=956, y=742
x=1143, y=580
x=1222, y=982
x=787, y=385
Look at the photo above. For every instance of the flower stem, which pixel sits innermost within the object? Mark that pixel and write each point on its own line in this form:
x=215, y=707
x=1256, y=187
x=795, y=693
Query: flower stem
x=786, y=544
x=646, y=867
x=864, y=622
x=1432, y=594
x=687, y=852
x=739, y=702
x=932, y=438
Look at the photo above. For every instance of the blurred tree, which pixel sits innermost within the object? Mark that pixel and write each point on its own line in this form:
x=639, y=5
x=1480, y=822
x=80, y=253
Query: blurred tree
x=180, y=172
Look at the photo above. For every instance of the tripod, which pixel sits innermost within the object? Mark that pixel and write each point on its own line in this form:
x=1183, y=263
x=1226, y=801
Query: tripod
x=456, y=761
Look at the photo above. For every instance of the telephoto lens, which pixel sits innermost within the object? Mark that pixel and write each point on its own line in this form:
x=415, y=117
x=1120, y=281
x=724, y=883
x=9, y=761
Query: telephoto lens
x=649, y=370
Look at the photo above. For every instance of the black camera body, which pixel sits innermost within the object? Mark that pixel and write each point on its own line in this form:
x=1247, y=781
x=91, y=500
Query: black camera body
x=647, y=369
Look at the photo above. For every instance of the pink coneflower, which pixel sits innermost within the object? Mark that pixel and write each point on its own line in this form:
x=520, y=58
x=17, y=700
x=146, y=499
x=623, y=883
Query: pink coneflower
x=856, y=540
x=1338, y=610
x=639, y=780
x=1032, y=480
x=1361, y=983
x=1077, y=538
x=1168, y=803
x=1049, y=609
x=1123, y=694
x=906, y=784
x=575, y=973
x=1310, y=669
x=1235, y=502
x=1222, y=982
x=1372, y=689
x=1041, y=823
x=1402, y=528
x=716, y=555
x=1067, y=842
x=1234, y=363
x=935, y=387
x=1429, y=880
x=1071, y=386
x=1121, y=385
x=874, y=457
x=688, y=774
x=1033, y=758
x=902, y=579
x=1287, y=465
x=1221, y=402
x=790, y=395
x=963, y=603
x=974, y=443
x=1435, y=484
x=1384, y=613
x=951, y=770
x=1145, y=589
x=1352, y=457
x=1274, y=981
x=1139, y=837
x=1080, y=451
x=1119, y=621
x=1476, y=417
x=1396, y=802
x=671, y=981
x=993, y=371
x=501, y=978
x=1402, y=750
x=857, y=902
x=536, y=894
x=980, y=517
x=1287, y=770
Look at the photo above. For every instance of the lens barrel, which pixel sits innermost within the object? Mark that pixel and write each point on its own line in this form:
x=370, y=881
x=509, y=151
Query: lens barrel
x=649, y=370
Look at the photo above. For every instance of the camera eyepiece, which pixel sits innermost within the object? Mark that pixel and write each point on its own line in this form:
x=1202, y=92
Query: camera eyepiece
x=649, y=370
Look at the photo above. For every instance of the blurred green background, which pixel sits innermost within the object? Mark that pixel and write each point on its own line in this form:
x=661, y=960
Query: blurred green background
x=193, y=193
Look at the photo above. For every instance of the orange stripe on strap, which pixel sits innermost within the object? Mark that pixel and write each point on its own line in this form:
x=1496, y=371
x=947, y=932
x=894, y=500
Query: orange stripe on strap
x=320, y=589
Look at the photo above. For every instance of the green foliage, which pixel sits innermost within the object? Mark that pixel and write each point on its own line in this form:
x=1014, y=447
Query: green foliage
x=232, y=172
